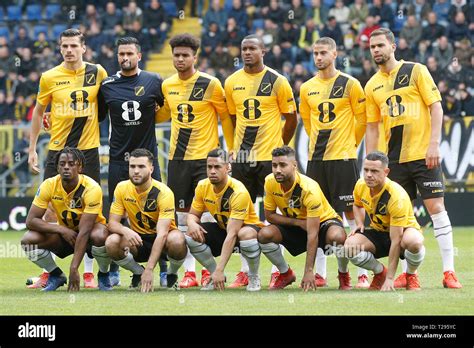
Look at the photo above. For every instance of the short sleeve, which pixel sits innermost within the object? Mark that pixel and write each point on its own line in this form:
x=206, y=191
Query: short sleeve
x=44, y=93
x=399, y=210
x=358, y=103
x=166, y=204
x=372, y=109
x=198, y=200
x=239, y=205
x=426, y=86
x=93, y=200
x=305, y=110
x=218, y=99
x=313, y=203
x=357, y=194
x=117, y=206
x=268, y=200
x=160, y=99
x=286, y=100
x=43, y=195
x=228, y=96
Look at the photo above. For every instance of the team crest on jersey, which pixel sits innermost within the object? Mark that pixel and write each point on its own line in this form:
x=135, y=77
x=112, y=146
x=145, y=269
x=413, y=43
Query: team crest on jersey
x=150, y=204
x=403, y=79
x=90, y=79
x=225, y=204
x=265, y=87
x=198, y=92
x=337, y=91
x=139, y=91
x=76, y=203
x=382, y=208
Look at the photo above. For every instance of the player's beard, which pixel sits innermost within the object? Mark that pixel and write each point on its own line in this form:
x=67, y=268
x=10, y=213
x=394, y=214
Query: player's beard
x=140, y=181
x=128, y=66
x=382, y=60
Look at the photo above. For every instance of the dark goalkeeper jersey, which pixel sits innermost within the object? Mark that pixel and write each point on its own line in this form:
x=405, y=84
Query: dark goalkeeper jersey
x=131, y=102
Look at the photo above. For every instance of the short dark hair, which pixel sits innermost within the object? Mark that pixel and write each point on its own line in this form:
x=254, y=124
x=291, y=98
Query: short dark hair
x=73, y=32
x=378, y=156
x=384, y=31
x=285, y=150
x=142, y=153
x=77, y=155
x=128, y=40
x=326, y=41
x=219, y=153
x=255, y=37
x=185, y=40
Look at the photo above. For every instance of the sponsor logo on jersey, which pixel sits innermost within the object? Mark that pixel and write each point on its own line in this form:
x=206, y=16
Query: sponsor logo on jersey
x=377, y=88
x=209, y=201
x=130, y=200
x=277, y=194
x=61, y=83
x=312, y=93
x=56, y=198
x=92, y=205
x=239, y=88
x=346, y=198
x=173, y=93
x=433, y=184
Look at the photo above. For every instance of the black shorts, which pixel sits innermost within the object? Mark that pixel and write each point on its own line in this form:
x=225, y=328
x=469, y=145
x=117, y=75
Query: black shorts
x=66, y=249
x=382, y=242
x=252, y=175
x=337, y=180
x=144, y=251
x=183, y=177
x=91, y=167
x=415, y=174
x=118, y=171
x=215, y=237
x=295, y=239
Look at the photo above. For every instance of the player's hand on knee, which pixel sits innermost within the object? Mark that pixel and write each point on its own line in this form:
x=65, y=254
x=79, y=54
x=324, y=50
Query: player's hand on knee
x=33, y=162
x=147, y=281
x=359, y=229
x=74, y=280
x=308, y=283
x=68, y=235
x=133, y=238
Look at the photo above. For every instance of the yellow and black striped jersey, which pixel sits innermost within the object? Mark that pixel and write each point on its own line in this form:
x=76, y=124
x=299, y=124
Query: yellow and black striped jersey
x=146, y=208
x=390, y=207
x=304, y=199
x=74, y=105
x=402, y=100
x=194, y=105
x=233, y=202
x=330, y=107
x=86, y=198
x=258, y=101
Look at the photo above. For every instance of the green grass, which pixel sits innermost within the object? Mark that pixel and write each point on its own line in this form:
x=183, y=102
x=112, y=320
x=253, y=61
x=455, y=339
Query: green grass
x=15, y=299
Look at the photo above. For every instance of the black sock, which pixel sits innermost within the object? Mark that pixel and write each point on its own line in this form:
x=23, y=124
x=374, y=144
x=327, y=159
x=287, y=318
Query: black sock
x=56, y=272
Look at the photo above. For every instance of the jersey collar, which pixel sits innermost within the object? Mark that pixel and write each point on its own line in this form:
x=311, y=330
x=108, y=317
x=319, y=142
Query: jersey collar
x=297, y=181
x=79, y=183
x=119, y=74
x=72, y=72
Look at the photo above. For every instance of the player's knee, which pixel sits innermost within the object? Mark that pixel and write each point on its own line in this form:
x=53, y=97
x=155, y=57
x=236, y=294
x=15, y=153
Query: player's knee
x=338, y=236
x=175, y=241
x=265, y=235
x=27, y=239
x=112, y=245
x=246, y=233
x=99, y=236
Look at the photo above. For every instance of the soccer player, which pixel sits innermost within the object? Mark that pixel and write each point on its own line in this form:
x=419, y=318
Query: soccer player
x=131, y=98
x=332, y=108
x=405, y=97
x=307, y=222
x=393, y=231
x=237, y=225
x=71, y=89
x=77, y=202
x=152, y=233
x=194, y=101
x=257, y=97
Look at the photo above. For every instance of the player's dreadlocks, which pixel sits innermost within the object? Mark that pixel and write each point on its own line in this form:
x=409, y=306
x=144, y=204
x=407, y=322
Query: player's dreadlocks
x=77, y=155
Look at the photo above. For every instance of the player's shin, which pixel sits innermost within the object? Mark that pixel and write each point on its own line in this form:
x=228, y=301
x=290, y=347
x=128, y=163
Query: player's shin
x=320, y=263
x=129, y=263
x=414, y=260
x=342, y=260
x=251, y=252
x=444, y=236
x=274, y=255
x=102, y=258
x=202, y=253
x=174, y=265
x=88, y=264
x=42, y=258
x=368, y=261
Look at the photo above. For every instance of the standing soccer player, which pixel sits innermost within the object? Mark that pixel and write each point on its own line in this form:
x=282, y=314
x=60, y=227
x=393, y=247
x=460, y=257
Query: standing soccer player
x=258, y=97
x=236, y=224
x=77, y=202
x=332, y=106
x=393, y=230
x=405, y=97
x=71, y=88
x=131, y=97
x=194, y=100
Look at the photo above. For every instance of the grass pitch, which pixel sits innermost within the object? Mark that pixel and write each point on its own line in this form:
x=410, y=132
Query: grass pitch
x=16, y=299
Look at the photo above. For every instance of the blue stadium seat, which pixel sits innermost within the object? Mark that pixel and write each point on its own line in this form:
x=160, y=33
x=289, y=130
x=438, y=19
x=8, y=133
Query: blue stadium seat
x=170, y=8
x=258, y=24
x=307, y=3
x=5, y=32
x=33, y=12
x=51, y=11
x=329, y=3
x=2, y=13
x=398, y=23
x=228, y=5
x=38, y=29
x=14, y=13
x=58, y=29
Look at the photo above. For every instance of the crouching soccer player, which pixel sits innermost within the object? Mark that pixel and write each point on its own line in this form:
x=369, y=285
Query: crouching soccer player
x=237, y=225
x=306, y=223
x=393, y=229
x=77, y=202
x=149, y=205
